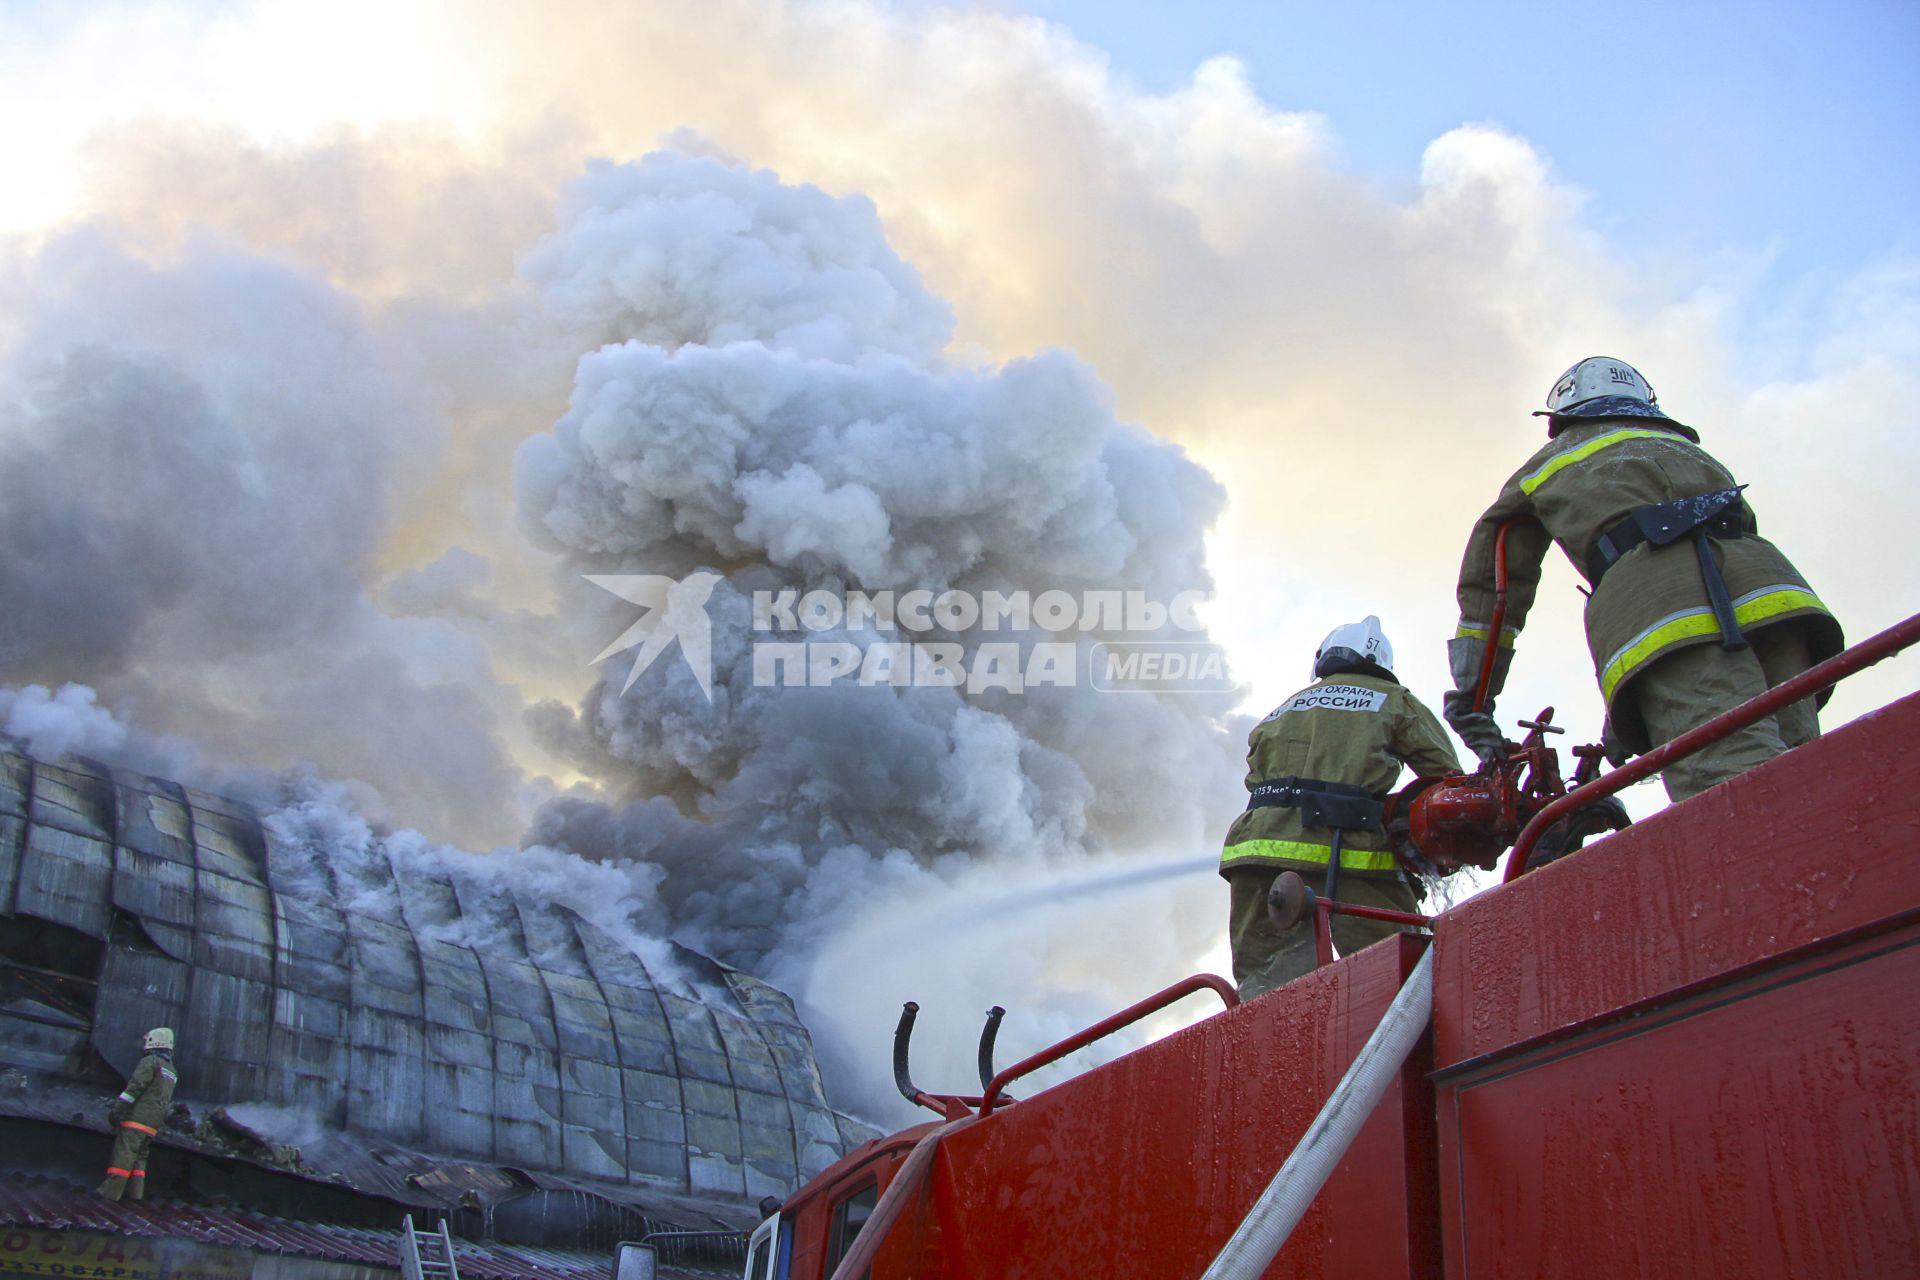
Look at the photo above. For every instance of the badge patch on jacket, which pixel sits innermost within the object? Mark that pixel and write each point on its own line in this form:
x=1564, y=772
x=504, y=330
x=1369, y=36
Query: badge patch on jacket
x=1334, y=697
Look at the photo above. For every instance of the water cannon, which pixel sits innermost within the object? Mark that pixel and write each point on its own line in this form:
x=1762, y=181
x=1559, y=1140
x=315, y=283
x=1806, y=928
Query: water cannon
x=1441, y=825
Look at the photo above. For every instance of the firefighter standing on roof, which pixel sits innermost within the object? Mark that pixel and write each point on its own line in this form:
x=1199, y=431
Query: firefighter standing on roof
x=1346, y=735
x=1691, y=611
x=137, y=1114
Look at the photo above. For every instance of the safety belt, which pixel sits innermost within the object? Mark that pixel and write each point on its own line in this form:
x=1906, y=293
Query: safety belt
x=1338, y=806
x=1658, y=524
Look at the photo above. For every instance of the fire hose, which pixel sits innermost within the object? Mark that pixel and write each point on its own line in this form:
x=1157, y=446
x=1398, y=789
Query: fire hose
x=1258, y=1239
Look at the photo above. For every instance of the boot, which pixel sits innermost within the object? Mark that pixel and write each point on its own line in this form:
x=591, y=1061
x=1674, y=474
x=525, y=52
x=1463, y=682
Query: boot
x=137, y=1187
x=113, y=1187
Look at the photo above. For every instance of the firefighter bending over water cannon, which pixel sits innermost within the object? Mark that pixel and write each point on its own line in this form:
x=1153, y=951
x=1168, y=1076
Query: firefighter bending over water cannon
x=1691, y=612
x=137, y=1114
x=1318, y=769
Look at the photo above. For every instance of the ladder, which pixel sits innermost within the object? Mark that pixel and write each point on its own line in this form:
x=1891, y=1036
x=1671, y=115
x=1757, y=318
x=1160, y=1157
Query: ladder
x=427, y=1255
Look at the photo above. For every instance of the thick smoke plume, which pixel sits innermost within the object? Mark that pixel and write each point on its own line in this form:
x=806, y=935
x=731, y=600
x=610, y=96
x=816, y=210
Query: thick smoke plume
x=199, y=466
x=767, y=392
x=785, y=412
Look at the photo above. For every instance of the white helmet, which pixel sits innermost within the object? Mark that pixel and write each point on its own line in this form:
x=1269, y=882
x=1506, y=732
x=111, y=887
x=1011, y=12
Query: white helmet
x=159, y=1038
x=1353, y=646
x=1602, y=387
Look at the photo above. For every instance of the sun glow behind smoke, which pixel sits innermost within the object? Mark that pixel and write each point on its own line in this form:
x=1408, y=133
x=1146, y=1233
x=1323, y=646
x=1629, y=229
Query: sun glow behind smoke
x=283, y=72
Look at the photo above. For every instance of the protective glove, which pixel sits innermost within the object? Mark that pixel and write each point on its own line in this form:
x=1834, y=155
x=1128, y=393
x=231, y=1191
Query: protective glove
x=1478, y=730
x=1618, y=752
x=116, y=1113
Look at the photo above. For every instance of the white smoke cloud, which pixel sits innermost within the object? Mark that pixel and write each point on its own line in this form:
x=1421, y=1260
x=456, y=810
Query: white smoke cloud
x=52, y=726
x=807, y=432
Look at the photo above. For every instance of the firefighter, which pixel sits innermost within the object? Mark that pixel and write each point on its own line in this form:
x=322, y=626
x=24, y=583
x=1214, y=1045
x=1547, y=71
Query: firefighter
x=1690, y=611
x=1337, y=745
x=137, y=1114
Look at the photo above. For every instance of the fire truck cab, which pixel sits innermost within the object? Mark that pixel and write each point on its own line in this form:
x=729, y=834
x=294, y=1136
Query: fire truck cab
x=809, y=1234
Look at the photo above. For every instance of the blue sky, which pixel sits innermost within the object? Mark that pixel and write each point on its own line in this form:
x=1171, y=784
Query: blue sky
x=1698, y=128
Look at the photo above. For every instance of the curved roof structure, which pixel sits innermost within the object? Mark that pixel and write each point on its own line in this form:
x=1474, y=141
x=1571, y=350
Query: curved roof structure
x=128, y=902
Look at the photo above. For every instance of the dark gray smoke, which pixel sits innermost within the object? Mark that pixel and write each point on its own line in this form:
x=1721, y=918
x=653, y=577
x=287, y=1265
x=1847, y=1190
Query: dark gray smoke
x=199, y=464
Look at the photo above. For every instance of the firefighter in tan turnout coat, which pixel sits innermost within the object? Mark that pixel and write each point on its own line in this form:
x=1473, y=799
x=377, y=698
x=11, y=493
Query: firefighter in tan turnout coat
x=1691, y=611
x=137, y=1114
x=1340, y=740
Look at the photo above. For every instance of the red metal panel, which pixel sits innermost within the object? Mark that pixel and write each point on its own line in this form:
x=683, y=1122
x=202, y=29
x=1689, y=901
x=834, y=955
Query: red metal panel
x=1761, y=1128
x=1812, y=844
x=1145, y=1165
x=1690, y=1051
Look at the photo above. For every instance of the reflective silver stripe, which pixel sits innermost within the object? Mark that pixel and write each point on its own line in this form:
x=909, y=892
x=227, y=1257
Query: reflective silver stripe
x=1580, y=452
x=1754, y=606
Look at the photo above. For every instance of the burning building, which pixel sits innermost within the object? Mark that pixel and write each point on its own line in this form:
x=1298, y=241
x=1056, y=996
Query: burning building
x=395, y=1036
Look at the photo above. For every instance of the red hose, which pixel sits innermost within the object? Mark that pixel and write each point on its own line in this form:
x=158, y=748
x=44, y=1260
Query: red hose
x=1499, y=620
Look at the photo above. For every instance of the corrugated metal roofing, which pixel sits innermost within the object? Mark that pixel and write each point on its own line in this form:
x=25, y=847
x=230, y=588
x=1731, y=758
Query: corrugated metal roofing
x=551, y=1048
x=52, y=1206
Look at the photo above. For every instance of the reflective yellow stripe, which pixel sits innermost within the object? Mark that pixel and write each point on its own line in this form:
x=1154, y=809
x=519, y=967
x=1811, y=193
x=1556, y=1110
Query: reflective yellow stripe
x=1474, y=631
x=1304, y=851
x=1552, y=466
x=1755, y=606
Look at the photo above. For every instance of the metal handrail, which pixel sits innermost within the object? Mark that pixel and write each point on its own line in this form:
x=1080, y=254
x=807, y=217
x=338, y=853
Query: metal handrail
x=1805, y=685
x=949, y=1105
x=1106, y=1027
x=988, y=1034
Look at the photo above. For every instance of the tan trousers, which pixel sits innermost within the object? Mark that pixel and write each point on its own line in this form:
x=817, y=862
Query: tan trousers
x=1265, y=958
x=127, y=1166
x=1687, y=688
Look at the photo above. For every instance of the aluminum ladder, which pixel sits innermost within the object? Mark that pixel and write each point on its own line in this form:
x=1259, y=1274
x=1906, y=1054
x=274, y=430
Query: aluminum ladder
x=427, y=1255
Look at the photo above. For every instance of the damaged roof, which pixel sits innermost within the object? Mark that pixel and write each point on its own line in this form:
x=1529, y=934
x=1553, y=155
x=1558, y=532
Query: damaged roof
x=128, y=902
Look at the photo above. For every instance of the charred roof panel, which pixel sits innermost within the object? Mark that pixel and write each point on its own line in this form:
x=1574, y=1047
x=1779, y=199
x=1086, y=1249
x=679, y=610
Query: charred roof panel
x=160, y=891
x=42, y=1046
x=819, y=1137
x=16, y=780
x=233, y=1021
x=455, y=988
x=307, y=1046
x=526, y=1094
x=155, y=823
x=235, y=933
x=66, y=878
x=437, y=1008
x=140, y=986
x=696, y=1044
x=311, y=952
x=76, y=799
x=13, y=833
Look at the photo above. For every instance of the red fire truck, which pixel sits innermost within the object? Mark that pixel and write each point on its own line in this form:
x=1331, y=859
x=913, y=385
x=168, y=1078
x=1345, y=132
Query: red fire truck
x=1690, y=1050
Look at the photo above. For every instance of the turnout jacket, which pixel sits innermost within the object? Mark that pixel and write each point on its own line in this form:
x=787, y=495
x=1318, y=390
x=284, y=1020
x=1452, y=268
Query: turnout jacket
x=1353, y=729
x=1582, y=483
x=149, y=1090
